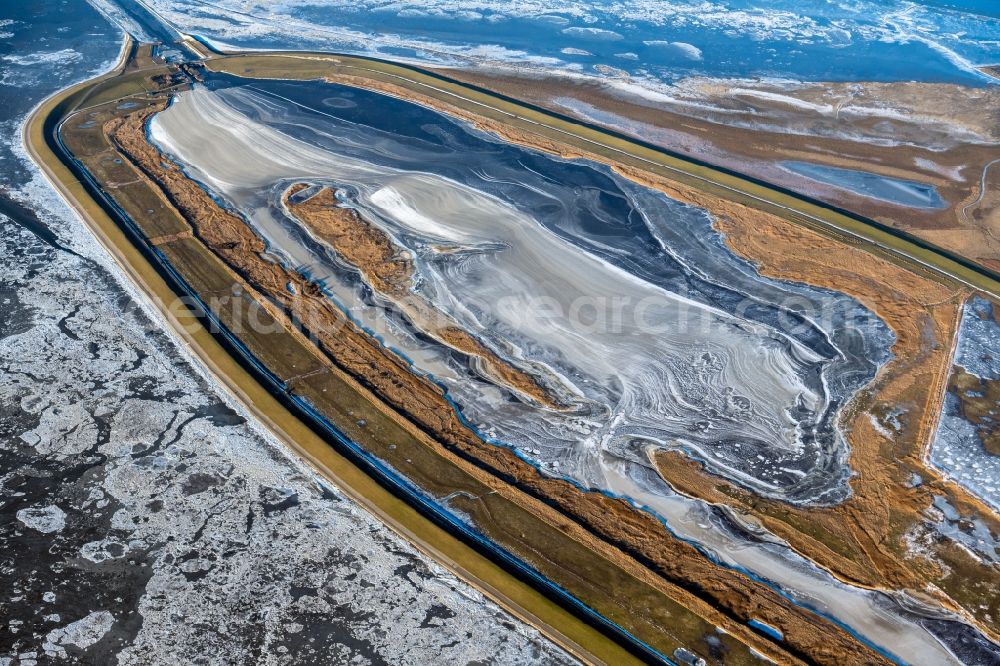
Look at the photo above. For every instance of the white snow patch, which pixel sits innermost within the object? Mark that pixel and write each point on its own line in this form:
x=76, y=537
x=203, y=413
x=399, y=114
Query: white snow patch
x=44, y=58
x=782, y=99
x=593, y=33
x=105, y=549
x=46, y=519
x=82, y=633
x=689, y=51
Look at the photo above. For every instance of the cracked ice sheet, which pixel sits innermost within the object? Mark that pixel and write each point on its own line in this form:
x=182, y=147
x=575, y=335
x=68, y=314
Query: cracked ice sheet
x=144, y=519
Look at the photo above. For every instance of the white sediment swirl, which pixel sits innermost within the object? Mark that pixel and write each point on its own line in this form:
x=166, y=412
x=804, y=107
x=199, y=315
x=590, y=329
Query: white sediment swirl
x=641, y=364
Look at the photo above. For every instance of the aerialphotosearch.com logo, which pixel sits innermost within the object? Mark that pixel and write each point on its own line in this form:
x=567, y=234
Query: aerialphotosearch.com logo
x=682, y=313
